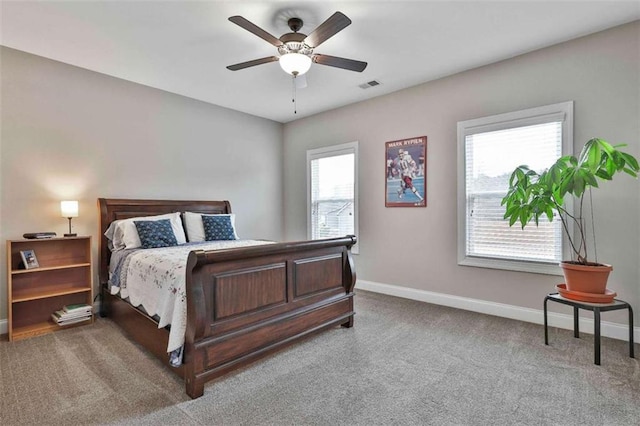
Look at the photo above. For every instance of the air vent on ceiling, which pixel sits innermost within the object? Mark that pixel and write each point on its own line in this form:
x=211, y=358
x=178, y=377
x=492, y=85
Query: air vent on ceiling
x=369, y=84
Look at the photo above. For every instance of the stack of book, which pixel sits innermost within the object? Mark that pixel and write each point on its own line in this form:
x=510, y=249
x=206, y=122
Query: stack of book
x=71, y=314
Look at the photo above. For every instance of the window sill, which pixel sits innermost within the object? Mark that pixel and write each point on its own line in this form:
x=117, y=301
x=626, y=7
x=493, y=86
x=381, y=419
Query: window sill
x=512, y=265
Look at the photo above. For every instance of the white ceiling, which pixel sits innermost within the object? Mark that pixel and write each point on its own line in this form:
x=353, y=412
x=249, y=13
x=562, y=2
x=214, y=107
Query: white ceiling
x=184, y=47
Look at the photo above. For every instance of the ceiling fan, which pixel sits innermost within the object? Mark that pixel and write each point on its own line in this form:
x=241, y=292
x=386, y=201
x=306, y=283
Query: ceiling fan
x=296, y=48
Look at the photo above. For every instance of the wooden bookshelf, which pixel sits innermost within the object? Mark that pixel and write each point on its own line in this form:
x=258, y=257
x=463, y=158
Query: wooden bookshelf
x=64, y=276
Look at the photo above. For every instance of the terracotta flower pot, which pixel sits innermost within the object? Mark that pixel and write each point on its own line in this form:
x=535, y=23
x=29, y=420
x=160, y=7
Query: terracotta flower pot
x=586, y=278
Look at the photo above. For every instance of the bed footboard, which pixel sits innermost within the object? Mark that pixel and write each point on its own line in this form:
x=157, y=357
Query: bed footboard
x=243, y=304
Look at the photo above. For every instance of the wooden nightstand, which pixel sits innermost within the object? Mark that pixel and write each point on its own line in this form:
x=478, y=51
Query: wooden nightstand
x=64, y=276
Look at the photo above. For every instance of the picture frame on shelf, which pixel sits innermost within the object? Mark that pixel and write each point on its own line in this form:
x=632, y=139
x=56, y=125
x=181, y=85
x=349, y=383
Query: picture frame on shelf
x=406, y=172
x=29, y=259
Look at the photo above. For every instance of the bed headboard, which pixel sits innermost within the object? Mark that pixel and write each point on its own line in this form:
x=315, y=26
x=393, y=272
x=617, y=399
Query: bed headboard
x=114, y=209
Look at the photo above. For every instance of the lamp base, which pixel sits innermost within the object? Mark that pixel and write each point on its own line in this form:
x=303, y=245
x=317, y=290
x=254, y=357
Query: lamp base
x=70, y=234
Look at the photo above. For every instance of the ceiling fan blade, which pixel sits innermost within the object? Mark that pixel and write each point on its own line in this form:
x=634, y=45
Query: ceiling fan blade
x=253, y=63
x=334, y=61
x=336, y=22
x=253, y=28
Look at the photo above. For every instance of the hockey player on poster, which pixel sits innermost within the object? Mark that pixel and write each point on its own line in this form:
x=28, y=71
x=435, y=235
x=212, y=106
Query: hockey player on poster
x=407, y=168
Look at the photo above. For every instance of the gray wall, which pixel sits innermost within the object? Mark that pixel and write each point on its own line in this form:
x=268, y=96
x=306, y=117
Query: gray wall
x=416, y=247
x=69, y=133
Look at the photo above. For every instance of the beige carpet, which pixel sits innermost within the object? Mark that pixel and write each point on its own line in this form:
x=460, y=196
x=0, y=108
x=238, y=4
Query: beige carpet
x=404, y=363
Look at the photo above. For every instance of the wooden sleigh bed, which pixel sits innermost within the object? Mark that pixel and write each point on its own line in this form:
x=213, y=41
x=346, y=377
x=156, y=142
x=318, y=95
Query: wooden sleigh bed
x=242, y=303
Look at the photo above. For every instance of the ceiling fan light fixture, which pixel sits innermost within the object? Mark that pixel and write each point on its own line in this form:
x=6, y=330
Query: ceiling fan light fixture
x=295, y=63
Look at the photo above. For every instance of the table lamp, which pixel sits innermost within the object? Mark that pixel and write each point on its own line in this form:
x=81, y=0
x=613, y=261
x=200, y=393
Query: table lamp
x=69, y=209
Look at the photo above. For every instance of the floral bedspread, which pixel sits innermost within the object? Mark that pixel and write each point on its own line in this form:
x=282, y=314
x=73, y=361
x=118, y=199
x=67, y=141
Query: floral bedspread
x=155, y=279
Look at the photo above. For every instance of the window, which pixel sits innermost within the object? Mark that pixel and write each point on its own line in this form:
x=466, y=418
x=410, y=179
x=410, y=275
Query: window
x=489, y=149
x=332, y=198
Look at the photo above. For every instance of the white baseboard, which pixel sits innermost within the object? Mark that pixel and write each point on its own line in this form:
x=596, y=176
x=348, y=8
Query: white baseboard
x=607, y=329
x=536, y=316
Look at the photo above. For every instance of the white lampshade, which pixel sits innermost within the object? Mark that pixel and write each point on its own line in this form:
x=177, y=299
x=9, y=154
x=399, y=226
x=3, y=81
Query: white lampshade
x=69, y=208
x=295, y=63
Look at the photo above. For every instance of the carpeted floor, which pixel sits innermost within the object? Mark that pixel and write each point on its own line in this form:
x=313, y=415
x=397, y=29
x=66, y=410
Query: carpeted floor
x=404, y=363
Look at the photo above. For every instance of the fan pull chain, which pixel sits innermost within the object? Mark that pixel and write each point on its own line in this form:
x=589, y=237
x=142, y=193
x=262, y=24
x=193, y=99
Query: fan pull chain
x=295, y=104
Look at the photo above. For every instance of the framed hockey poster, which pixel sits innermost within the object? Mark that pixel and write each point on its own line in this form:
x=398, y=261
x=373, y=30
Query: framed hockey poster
x=406, y=172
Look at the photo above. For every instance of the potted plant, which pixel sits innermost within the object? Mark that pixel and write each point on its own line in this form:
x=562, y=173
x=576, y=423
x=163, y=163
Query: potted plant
x=532, y=195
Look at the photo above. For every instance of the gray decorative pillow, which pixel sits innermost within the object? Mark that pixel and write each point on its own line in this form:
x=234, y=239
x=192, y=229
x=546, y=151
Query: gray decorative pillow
x=155, y=233
x=218, y=227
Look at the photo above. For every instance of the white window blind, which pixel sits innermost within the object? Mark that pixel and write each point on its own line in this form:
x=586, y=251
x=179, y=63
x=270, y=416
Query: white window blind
x=489, y=150
x=491, y=157
x=332, y=191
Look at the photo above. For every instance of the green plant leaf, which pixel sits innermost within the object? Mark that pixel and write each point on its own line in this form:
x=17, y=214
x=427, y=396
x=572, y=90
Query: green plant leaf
x=510, y=211
x=606, y=146
x=549, y=213
x=618, y=160
x=566, y=183
x=610, y=168
x=589, y=178
x=603, y=174
x=525, y=215
x=591, y=155
x=630, y=161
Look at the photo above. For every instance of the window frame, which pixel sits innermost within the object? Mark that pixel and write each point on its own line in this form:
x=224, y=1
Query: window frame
x=522, y=118
x=333, y=151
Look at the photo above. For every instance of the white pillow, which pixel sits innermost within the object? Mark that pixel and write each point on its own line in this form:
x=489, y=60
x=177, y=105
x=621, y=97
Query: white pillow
x=195, y=228
x=123, y=233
